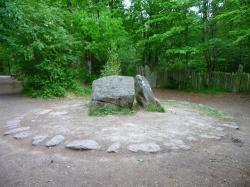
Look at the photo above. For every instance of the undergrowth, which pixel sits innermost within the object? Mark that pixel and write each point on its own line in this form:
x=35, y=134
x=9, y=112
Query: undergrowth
x=154, y=108
x=94, y=111
x=199, y=107
x=212, y=91
x=54, y=91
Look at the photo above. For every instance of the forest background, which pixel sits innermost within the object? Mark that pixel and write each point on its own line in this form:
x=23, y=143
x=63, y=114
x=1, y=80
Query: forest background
x=54, y=46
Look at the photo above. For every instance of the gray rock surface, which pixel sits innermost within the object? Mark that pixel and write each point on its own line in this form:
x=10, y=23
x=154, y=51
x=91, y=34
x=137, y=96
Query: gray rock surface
x=113, y=91
x=207, y=136
x=145, y=147
x=22, y=135
x=143, y=92
x=114, y=148
x=83, y=145
x=17, y=130
x=15, y=123
x=38, y=139
x=231, y=125
x=176, y=144
x=55, y=140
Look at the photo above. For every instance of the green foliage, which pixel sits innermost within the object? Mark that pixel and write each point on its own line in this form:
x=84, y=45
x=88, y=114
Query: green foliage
x=207, y=110
x=198, y=107
x=52, y=45
x=101, y=31
x=45, y=50
x=210, y=91
x=112, y=67
x=154, y=108
x=78, y=89
x=93, y=111
x=5, y=61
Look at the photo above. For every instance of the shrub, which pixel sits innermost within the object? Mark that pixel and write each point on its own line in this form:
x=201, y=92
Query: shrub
x=113, y=66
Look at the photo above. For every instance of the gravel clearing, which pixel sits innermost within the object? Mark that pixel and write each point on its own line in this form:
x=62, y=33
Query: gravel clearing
x=197, y=149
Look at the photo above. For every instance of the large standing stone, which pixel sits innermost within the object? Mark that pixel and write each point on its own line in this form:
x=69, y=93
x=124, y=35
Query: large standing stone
x=113, y=91
x=143, y=92
x=83, y=145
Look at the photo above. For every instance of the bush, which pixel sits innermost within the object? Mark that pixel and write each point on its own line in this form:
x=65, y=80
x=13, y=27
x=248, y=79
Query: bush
x=113, y=66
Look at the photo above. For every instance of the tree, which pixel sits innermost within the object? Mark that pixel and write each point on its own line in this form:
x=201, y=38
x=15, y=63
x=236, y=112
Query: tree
x=43, y=45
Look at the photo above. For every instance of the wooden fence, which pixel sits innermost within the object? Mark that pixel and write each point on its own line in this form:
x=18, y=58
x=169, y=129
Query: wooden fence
x=231, y=82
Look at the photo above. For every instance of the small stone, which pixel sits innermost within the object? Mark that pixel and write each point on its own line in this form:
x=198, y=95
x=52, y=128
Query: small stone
x=191, y=138
x=44, y=112
x=17, y=130
x=55, y=141
x=83, y=145
x=219, y=129
x=177, y=144
x=147, y=147
x=231, y=125
x=210, y=136
x=221, y=134
x=38, y=139
x=21, y=135
x=59, y=113
x=114, y=147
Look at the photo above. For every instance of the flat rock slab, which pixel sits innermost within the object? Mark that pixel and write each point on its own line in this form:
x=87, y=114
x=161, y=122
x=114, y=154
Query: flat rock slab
x=44, y=112
x=145, y=147
x=231, y=125
x=83, y=145
x=210, y=136
x=38, y=139
x=55, y=141
x=22, y=135
x=114, y=148
x=176, y=144
x=17, y=130
x=58, y=113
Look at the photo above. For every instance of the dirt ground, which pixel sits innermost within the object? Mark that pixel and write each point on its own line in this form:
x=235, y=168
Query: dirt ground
x=223, y=162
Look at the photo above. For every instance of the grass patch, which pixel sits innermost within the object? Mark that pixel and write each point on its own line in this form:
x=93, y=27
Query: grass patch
x=79, y=90
x=207, y=110
x=199, y=107
x=94, y=111
x=212, y=91
x=154, y=108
